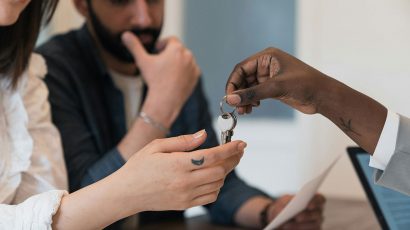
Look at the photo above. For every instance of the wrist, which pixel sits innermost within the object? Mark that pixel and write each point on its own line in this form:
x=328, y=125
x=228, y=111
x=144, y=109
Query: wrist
x=328, y=95
x=127, y=200
x=161, y=111
x=249, y=214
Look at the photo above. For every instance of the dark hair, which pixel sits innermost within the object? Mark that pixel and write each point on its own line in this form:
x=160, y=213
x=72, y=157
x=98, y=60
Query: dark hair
x=17, y=41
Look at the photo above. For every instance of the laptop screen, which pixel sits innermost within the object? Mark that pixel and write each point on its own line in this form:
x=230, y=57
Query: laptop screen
x=391, y=207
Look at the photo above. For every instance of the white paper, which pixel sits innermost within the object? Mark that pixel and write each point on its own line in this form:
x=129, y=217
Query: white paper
x=301, y=200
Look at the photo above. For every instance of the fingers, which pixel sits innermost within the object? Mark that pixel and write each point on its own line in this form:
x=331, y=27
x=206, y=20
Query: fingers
x=208, y=157
x=160, y=46
x=317, y=202
x=241, y=74
x=231, y=163
x=311, y=218
x=208, y=188
x=253, y=94
x=205, y=199
x=246, y=83
x=302, y=226
x=308, y=216
x=279, y=205
x=207, y=175
x=134, y=45
x=215, y=173
x=178, y=144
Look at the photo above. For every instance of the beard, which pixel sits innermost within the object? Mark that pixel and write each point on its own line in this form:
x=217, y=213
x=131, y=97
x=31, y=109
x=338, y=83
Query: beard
x=112, y=43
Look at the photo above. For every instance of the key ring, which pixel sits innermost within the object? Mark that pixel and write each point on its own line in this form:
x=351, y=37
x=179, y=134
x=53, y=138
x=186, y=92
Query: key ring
x=221, y=105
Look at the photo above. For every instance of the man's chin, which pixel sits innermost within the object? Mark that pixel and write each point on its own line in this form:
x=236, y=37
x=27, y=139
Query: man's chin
x=125, y=56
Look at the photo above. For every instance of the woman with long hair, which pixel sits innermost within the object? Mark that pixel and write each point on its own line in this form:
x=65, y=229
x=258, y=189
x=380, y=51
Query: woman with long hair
x=32, y=172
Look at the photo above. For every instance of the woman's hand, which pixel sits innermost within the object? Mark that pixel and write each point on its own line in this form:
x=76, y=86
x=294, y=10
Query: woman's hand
x=165, y=176
x=161, y=176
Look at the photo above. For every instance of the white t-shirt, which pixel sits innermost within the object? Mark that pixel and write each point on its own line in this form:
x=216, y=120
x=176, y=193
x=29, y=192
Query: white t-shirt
x=131, y=88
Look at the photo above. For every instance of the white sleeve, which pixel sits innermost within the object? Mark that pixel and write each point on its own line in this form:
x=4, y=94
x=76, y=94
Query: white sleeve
x=34, y=213
x=387, y=142
x=47, y=169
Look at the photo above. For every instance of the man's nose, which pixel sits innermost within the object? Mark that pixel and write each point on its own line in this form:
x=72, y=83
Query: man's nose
x=141, y=14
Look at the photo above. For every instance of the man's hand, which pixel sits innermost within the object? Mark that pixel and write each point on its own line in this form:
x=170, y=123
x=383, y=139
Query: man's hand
x=311, y=218
x=273, y=73
x=170, y=75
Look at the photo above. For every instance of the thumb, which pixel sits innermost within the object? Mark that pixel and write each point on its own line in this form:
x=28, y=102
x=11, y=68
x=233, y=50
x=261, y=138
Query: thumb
x=182, y=143
x=253, y=94
x=134, y=45
x=162, y=44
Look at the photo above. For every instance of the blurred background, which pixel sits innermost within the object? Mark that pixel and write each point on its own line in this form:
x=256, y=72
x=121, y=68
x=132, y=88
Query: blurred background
x=363, y=43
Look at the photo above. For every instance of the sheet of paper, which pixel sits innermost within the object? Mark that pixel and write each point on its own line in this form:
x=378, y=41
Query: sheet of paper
x=301, y=199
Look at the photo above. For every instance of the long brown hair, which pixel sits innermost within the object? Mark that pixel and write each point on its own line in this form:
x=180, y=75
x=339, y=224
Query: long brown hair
x=17, y=41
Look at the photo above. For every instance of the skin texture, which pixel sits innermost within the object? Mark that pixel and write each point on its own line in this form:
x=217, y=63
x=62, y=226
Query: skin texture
x=10, y=10
x=138, y=186
x=307, y=90
x=312, y=218
x=198, y=162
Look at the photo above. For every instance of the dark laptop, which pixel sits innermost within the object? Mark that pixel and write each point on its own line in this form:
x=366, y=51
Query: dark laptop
x=392, y=208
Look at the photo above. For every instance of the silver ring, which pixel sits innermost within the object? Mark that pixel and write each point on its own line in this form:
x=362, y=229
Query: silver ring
x=221, y=105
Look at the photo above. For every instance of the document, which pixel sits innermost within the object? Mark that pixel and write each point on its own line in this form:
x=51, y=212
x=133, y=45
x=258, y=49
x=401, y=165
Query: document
x=301, y=200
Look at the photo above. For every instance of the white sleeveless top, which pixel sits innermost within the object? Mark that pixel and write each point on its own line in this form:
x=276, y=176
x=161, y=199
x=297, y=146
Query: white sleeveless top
x=31, y=157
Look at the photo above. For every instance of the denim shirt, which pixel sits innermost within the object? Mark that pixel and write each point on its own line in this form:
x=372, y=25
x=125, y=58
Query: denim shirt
x=88, y=110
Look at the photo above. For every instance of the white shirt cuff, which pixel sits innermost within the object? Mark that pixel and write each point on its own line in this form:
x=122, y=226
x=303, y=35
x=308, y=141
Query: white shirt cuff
x=387, y=142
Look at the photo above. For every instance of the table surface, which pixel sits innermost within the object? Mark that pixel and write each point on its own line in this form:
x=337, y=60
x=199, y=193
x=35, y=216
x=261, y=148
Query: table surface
x=339, y=214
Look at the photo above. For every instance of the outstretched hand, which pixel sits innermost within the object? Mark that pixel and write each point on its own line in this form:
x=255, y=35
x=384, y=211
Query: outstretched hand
x=275, y=74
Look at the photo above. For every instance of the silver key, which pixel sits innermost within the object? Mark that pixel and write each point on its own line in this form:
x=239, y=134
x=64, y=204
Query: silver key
x=226, y=124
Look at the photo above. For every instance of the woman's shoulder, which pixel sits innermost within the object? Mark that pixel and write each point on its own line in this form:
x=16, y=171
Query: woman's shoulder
x=37, y=66
x=32, y=78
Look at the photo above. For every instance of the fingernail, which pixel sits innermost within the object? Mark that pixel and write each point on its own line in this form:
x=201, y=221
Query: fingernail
x=242, y=146
x=233, y=99
x=199, y=134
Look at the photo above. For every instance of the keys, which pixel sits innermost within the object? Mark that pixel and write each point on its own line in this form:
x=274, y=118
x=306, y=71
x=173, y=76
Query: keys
x=226, y=124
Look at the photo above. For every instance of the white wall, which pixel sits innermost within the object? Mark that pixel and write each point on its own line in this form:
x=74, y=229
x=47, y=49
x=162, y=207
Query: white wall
x=365, y=44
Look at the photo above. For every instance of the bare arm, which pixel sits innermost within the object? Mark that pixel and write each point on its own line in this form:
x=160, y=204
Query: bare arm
x=171, y=77
x=192, y=179
x=273, y=73
x=357, y=115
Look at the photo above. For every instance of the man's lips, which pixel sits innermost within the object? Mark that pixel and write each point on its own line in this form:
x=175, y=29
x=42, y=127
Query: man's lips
x=146, y=39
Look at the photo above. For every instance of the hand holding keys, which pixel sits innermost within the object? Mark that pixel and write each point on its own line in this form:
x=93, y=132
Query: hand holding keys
x=226, y=123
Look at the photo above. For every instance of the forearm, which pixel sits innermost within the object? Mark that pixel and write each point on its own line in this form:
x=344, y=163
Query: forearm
x=356, y=114
x=249, y=213
x=138, y=136
x=142, y=133
x=95, y=206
